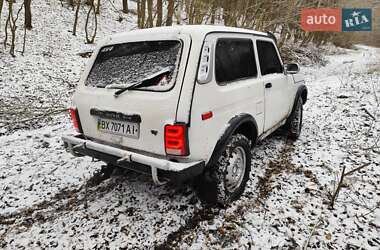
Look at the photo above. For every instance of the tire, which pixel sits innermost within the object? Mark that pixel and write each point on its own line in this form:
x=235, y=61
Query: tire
x=294, y=122
x=225, y=181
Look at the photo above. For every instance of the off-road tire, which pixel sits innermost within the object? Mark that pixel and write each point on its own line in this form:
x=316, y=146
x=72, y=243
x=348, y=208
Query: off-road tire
x=294, y=122
x=213, y=186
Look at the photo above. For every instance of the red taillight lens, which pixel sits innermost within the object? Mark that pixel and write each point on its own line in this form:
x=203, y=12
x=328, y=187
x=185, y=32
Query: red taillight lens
x=75, y=119
x=176, y=140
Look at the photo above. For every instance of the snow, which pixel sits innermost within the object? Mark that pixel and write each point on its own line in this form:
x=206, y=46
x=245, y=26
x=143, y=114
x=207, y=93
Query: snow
x=128, y=64
x=50, y=199
x=194, y=30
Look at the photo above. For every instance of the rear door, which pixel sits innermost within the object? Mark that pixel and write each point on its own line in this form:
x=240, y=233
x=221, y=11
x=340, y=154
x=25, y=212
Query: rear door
x=234, y=90
x=134, y=119
x=275, y=83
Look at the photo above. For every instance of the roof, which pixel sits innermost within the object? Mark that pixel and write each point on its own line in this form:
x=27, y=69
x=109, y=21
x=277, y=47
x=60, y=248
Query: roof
x=193, y=30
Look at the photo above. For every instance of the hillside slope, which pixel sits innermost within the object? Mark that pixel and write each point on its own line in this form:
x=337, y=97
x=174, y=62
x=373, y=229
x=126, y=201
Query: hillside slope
x=49, y=199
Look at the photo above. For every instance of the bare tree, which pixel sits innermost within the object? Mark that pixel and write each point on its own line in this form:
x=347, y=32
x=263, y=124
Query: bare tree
x=280, y=17
x=178, y=11
x=141, y=13
x=76, y=18
x=333, y=196
x=24, y=42
x=1, y=7
x=91, y=39
x=142, y=10
x=169, y=18
x=28, y=14
x=125, y=6
x=138, y=13
x=98, y=7
x=149, y=20
x=11, y=23
x=159, y=13
x=213, y=11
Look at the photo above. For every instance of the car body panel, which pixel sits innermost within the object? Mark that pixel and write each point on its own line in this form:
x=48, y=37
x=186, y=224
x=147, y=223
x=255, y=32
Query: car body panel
x=155, y=108
x=188, y=99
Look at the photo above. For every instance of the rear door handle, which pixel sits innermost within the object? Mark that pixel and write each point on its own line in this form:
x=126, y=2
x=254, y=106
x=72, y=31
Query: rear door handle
x=268, y=85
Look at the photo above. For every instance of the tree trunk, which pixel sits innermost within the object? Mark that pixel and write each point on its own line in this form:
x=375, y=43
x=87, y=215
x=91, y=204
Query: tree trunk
x=92, y=38
x=213, y=11
x=1, y=7
x=142, y=14
x=12, y=26
x=159, y=13
x=76, y=19
x=28, y=14
x=191, y=13
x=125, y=6
x=179, y=12
x=24, y=42
x=227, y=12
x=6, y=31
x=150, y=15
x=13, y=29
x=98, y=7
x=169, y=18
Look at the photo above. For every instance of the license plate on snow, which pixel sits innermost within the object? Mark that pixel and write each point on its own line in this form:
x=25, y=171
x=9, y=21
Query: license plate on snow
x=129, y=129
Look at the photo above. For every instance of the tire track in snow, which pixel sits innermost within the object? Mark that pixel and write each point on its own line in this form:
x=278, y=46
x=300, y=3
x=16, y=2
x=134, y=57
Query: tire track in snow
x=62, y=201
x=276, y=167
x=265, y=187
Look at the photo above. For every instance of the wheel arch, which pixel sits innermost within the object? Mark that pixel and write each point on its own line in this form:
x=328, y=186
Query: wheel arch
x=244, y=124
x=301, y=92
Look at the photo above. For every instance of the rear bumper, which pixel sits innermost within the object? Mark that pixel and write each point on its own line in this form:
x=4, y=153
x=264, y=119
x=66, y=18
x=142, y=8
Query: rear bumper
x=159, y=168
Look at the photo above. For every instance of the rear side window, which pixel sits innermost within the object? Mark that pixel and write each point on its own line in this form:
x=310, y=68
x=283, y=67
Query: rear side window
x=130, y=63
x=234, y=60
x=268, y=58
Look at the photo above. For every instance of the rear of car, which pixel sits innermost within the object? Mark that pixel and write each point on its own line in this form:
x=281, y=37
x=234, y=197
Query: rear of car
x=125, y=106
x=168, y=101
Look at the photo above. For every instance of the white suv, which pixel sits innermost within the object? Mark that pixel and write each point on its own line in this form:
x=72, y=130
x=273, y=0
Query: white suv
x=185, y=101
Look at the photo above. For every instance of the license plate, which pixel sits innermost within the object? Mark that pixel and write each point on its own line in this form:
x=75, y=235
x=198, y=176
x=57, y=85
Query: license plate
x=128, y=129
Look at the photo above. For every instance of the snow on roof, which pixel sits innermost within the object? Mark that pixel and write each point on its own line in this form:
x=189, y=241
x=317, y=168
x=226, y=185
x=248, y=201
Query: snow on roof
x=193, y=30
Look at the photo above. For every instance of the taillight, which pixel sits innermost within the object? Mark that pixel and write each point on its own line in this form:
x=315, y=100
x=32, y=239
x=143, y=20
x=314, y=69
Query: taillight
x=176, y=140
x=75, y=119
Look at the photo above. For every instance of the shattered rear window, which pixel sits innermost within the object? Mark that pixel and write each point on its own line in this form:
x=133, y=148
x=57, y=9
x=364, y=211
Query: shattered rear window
x=131, y=63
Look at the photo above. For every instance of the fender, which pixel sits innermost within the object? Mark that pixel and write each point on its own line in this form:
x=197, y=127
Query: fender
x=233, y=125
x=301, y=91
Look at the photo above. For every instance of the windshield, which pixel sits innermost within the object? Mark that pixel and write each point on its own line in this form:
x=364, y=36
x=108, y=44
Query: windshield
x=130, y=63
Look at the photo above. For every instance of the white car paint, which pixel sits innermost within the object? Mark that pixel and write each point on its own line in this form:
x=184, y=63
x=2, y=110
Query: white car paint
x=188, y=100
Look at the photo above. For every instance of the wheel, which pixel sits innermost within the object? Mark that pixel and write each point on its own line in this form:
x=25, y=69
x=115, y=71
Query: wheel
x=225, y=181
x=294, y=122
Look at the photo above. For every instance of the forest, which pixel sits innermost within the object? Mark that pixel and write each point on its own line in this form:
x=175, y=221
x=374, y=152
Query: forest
x=279, y=17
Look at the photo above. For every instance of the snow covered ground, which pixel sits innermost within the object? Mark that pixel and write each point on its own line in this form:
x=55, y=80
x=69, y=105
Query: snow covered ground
x=49, y=199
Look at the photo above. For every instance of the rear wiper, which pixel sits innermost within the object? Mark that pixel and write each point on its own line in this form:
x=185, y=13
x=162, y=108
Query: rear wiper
x=148, y=81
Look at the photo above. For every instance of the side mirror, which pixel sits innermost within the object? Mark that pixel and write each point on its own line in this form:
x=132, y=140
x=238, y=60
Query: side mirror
x=291, y=68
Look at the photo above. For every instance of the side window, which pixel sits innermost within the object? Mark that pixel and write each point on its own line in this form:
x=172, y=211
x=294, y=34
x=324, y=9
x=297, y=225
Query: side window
x=268, y=58
x=234, y=60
